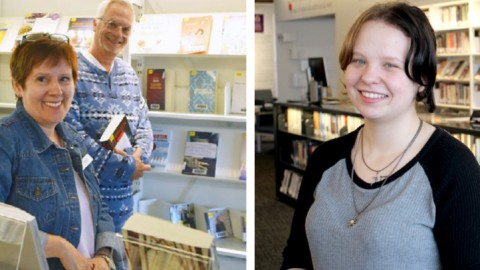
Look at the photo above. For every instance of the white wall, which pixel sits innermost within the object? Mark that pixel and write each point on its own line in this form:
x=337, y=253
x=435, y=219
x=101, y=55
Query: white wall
x=265, y=50
x=310, y=38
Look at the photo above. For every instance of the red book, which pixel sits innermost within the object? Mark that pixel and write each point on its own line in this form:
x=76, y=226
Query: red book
x=117, y=134
x=156, y=89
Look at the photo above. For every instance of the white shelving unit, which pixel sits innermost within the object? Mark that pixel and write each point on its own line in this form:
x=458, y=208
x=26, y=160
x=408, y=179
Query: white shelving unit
x=223, y=190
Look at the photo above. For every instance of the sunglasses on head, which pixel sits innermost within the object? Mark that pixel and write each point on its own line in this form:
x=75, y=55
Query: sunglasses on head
x=41, y=36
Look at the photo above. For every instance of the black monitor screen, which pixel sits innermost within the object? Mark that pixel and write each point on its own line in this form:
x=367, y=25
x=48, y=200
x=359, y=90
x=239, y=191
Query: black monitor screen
x=317, y=70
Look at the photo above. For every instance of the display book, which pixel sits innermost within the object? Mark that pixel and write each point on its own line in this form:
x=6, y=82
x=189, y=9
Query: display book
x=20, y=241
x=217, y=221
x=153, y=243
x=200, y=153
x=216, y=33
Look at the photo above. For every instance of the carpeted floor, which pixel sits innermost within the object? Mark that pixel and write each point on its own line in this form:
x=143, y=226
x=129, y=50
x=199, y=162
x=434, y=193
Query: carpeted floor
x=272, y=218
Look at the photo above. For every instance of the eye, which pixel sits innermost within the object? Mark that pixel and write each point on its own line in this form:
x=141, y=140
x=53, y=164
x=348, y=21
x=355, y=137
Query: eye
x=390, y=65
x=358, y=61
x=65, y=79
x=42, y=79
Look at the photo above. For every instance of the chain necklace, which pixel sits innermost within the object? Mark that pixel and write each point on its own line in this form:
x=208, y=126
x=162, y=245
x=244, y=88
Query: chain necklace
x=377, y=177
x=354, y=220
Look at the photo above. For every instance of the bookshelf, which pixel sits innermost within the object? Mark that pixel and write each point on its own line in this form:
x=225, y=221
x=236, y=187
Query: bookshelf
x=223, y=190
x=456, y=26
x=299, y=127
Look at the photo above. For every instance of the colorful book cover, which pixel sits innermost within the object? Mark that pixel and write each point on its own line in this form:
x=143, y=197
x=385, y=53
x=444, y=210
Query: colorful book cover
x=195, y=35
x=202, y=91
x=38, y=22
x=80, y=32
x=156, y=89
x=218, y=222
x=183, y=213
x=161, y=146
x=200, y=153
x=117, y=134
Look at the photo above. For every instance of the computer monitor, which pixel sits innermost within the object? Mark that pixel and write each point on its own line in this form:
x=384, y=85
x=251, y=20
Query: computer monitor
x=318, y=71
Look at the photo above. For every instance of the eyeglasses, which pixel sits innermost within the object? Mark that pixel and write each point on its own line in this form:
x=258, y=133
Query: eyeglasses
x=112, y=25
x=41, y=36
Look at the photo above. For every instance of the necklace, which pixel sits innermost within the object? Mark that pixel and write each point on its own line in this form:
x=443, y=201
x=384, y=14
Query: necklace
x=354, y=220
x=377, y=177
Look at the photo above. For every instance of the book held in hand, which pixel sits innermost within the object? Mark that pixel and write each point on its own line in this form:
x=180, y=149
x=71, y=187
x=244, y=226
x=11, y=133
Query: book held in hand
x=202, y=91
x=156, y=89
x=117, y=134
x=218, y=222
x=200, y=153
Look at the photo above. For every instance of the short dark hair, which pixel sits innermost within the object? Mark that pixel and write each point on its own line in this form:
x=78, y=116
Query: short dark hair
x=30, y=54
x=421, y=61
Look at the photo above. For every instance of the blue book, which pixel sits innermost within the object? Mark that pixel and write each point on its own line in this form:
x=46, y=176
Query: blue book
x=202, y=91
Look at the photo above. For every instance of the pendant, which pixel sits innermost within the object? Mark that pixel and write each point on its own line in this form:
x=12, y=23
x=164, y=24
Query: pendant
x=352, y=222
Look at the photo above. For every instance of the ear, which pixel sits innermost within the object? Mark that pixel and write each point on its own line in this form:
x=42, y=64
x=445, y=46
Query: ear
x=17, y=88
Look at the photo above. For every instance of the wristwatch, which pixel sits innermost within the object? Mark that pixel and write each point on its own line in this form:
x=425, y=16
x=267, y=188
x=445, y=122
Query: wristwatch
x=109, y=261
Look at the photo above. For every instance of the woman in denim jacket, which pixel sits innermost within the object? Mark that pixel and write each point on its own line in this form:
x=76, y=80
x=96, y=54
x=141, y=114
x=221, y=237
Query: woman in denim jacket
x=43, y=168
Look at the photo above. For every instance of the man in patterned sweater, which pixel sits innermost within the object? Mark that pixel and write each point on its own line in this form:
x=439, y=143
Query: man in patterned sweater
x=108, y=86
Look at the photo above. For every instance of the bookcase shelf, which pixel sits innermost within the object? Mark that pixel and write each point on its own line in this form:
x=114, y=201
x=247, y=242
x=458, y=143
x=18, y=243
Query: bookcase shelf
x=288, y=158
x=160, y=173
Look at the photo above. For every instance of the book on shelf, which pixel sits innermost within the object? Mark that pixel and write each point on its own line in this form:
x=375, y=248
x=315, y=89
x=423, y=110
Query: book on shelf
x=3, y=30
x=117, y=133
x=154, y=243
x=243, y=158
x=154, y=33
x=234, y=34
x=200, y=153
x=243, y=221
x=195, y=35
x=38, y=22
x=20, y=241
x=161, y=146
x=291, y=183
x=239, y=93
x=183, y=214
x=218, y=222
x=202, y=91
x=80, y=32
x=155, y=89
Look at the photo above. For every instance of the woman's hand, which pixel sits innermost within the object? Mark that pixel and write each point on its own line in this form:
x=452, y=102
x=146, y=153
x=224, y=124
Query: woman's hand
x=68, y=255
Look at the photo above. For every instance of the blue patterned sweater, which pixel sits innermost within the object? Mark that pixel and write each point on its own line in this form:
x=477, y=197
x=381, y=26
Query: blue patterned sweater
x=100, y=95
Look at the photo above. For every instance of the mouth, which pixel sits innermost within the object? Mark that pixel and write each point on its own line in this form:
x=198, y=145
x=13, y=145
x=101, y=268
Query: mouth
x=53, y=104
x=373, y=95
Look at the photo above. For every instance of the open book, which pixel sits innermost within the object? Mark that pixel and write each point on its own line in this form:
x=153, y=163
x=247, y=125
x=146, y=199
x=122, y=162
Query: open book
x=20, y=246
x=154, y=243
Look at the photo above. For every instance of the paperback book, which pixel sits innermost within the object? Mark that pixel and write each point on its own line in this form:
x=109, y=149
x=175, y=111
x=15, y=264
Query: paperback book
x=218, y=222
x=239, y=93
x=200, y=153
x=117, y=134
x=183, y=213
x=80, y=32
x=195, y=35
x=234, y=34
x=156, y=89
x=202, y=91
x=161, y=146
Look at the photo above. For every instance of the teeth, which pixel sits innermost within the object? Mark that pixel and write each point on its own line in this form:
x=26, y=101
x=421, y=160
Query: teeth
x=373, y=95
x=53, y=104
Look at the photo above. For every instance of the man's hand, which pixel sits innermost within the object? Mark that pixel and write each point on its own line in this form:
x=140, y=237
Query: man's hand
x=140, y=167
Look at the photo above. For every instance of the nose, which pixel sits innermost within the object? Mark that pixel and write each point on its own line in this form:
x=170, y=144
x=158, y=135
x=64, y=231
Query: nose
x=370, y=74
x=55, y=88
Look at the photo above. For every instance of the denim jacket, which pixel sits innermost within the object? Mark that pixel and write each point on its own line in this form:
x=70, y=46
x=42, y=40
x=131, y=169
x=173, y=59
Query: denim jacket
x=37, y=176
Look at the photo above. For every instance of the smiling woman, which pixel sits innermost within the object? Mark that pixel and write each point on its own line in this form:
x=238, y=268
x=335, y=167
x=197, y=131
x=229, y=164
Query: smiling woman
x=391, y=194
x=45, y=170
